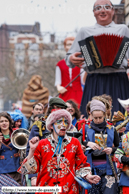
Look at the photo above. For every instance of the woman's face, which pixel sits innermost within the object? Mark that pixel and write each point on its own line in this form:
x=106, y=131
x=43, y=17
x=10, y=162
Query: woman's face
x=18, y=123
x=98, y=116
x=70, y=108
x=4, y=123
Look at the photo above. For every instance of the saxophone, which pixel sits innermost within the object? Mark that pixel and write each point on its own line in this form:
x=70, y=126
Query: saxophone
x=122, y=124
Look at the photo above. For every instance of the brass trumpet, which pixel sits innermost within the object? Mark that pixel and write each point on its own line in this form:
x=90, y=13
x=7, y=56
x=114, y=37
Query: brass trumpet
x=19, y=138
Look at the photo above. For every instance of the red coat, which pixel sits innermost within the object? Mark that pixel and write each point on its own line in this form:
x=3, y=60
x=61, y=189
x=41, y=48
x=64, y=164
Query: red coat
x=74, y=91
x=72, y=157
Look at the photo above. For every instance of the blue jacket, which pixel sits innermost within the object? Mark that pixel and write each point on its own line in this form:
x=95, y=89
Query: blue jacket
x=9, y=159
x=124, y=179
x=91, y=137
x=35, y=132
x=74, y=121
x=127, y=128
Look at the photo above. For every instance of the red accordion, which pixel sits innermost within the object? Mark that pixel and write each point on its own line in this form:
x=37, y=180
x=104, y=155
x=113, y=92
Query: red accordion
x=104, y=51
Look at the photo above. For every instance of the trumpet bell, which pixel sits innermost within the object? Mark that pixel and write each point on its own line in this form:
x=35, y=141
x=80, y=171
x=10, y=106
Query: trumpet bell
x=19, y=138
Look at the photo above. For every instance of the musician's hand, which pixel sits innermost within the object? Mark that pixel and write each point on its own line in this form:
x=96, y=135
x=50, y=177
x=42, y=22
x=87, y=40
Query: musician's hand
x=82, y=117
x=115, y=113
x=34, y=143
x=93, y=145
x=1, y=138
x=76, y=60
x=108, y=150
x=122, y=130
x=94, y=179
x=33, y=181
x=61, y=89
x=83, y=148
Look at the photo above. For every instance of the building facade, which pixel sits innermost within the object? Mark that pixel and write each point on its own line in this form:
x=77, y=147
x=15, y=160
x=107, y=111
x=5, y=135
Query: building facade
x=20, y=52
x=127, y=12
x=119, y=16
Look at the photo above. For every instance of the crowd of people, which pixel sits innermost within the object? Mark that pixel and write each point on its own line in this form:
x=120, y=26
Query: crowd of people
x=99, y=157
x=79, y=140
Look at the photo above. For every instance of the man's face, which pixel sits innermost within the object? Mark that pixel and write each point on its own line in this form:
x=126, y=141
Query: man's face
x=103, y=16
x=61, y=126
x=68, y=45
x=38, y=110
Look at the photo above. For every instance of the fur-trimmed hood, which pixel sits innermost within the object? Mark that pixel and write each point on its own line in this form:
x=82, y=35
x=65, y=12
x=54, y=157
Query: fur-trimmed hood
x=55, y=115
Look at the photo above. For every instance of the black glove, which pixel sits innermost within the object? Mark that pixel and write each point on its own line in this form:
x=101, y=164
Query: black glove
x=125, y=160
x=98, y=152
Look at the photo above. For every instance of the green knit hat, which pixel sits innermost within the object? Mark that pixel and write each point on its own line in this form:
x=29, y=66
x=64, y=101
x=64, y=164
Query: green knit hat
x=58, y=102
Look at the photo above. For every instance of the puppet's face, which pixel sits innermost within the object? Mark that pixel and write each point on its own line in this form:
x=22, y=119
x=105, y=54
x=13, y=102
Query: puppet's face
x=68, y=45
x=61, y=125
x=104, y=14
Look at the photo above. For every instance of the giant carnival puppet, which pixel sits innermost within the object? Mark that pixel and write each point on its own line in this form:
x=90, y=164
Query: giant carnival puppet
x=34, y=93
x=102, y=50
x=65, y=74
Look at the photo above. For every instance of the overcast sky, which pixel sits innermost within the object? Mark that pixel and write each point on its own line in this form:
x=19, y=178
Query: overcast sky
x=53, y=15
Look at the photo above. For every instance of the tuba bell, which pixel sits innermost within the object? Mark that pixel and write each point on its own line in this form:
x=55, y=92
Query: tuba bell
x=19, y=138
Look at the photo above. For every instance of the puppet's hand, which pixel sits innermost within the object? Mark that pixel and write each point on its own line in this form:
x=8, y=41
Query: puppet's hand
x=61, y=89
x=76, y=60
